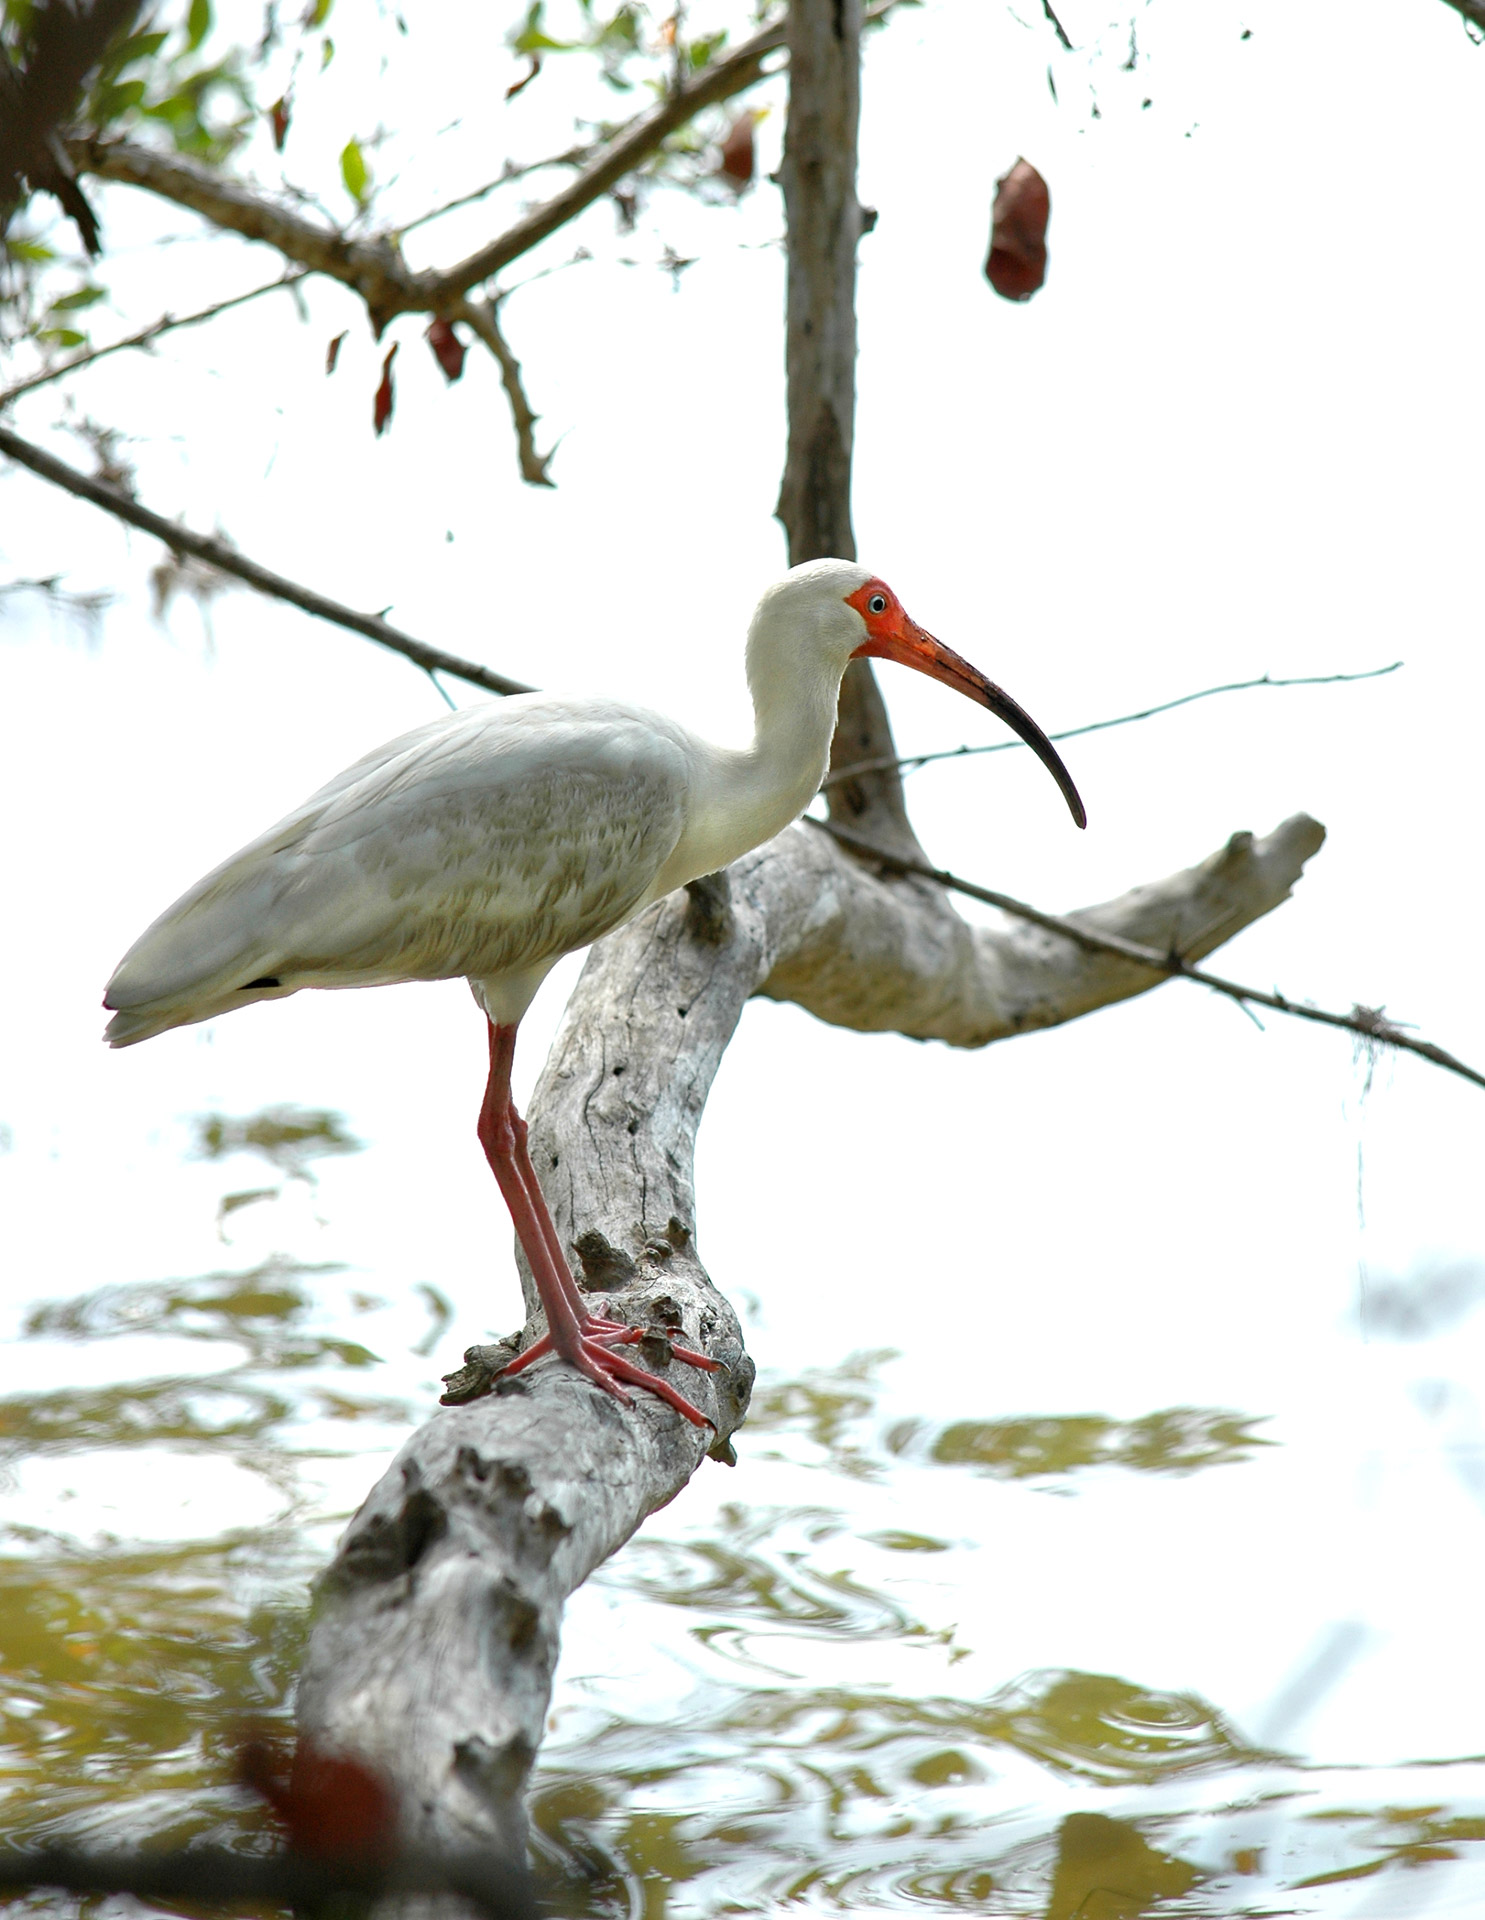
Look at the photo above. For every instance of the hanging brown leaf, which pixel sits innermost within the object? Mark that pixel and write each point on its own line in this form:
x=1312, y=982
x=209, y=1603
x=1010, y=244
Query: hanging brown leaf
x=332, y=352
x=381, y=412
x=448, y=349
x=738, y=151
x=525, y=80
x=278, y=118
x=1017, y=266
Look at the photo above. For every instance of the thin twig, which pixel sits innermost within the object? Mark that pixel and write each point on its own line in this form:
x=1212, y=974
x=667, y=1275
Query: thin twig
x=1061, y=30
x=373, y=264
x=217, y=553
x=1366, y=1021
x=481, y=316
x=167, y=323
x=911, y=762
x=574, y=157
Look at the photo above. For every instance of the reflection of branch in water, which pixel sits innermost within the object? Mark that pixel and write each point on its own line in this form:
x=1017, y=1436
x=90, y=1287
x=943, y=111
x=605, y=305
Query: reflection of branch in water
x=222, y=1876
x=1339, y=1647
x=1433, y=1298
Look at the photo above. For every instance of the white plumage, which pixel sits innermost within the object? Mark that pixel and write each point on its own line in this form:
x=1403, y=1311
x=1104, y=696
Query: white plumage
x=485, y=844
x=493, y=840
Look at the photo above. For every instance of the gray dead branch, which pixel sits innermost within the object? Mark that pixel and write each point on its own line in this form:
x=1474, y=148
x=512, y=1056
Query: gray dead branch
x=437, y=1626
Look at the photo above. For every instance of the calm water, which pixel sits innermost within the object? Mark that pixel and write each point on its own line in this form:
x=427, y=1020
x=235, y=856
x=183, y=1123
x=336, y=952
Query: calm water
x=798, y=1689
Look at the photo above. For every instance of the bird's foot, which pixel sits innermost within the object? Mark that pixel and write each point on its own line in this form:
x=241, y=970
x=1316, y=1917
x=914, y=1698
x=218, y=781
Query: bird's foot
x=591, y=1352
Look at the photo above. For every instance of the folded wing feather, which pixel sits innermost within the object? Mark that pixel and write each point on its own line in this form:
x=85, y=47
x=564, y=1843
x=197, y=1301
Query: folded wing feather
x=490, y=841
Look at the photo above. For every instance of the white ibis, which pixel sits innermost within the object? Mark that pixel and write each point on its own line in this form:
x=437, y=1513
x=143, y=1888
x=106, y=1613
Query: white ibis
x=498, y=838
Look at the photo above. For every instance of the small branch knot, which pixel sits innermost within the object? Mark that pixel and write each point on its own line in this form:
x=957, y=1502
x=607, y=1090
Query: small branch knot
x=606, y=1268
x=709, y=909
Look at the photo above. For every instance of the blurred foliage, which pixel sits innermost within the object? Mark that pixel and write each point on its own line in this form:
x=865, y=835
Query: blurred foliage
x=154, y=81
x=179, y=78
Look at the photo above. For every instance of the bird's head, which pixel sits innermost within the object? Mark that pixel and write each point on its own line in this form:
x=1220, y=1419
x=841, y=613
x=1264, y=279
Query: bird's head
x=850, y=614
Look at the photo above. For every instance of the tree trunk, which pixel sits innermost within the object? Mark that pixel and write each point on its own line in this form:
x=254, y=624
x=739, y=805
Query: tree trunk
x=825, y=221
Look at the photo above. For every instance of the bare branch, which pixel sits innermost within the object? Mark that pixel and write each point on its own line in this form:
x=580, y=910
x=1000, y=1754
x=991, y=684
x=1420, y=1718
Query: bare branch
x=435, y=1633
x=217, y=553
x=1057, y=25
x=481, y=315
x=574, y=157
x=374, y=267
x=1368, y=1022
x=167, y=323
x=909, y=763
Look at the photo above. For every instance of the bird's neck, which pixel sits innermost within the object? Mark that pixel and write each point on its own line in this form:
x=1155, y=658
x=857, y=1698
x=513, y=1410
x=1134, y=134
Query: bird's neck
x=746, y=797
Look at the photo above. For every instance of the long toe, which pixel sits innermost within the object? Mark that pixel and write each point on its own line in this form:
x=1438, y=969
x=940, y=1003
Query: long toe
x=616, y=1364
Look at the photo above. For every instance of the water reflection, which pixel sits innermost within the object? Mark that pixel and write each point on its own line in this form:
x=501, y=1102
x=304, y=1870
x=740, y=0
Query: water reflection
x=1426, y=1302
x=1176, y=1440
x=289, y=1138
x=779, y=1714
x=1107, y=1870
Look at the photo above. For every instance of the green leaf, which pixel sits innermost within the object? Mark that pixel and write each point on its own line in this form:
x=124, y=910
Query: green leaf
x=703, y=51
x=353, y=171
x=533, y=38
x=120, y=98
x=198, y=24
x=318, y=14
x=327, y=52
x=83, y=297
x=32, y=250
x=129, y=52
x=63, y=337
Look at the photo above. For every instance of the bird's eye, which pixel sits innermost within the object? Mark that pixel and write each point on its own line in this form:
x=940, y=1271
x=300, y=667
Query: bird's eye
x=877, y=603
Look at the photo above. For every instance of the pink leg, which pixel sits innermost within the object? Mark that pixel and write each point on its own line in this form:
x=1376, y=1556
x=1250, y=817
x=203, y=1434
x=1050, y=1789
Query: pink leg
x=583, y=1341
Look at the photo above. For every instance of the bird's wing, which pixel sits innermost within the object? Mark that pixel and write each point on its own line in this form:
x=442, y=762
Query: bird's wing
x=489, y=841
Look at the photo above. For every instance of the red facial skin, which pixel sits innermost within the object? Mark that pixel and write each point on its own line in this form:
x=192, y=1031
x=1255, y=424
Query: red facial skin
x=892, y=635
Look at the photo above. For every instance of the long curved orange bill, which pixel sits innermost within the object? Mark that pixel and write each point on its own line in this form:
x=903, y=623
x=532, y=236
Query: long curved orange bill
x=912, y=647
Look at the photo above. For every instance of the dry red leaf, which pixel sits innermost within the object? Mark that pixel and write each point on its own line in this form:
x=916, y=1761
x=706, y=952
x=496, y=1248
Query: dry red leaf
x=520, y=85
x=332, y=1805
x=1017, y=266
x=448, y=349
x=332, y=352
x=738, y=155
x=278, y=119
x=381, y=411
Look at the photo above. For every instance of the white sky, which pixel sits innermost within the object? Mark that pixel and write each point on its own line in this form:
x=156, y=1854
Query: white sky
x=1239, y=431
